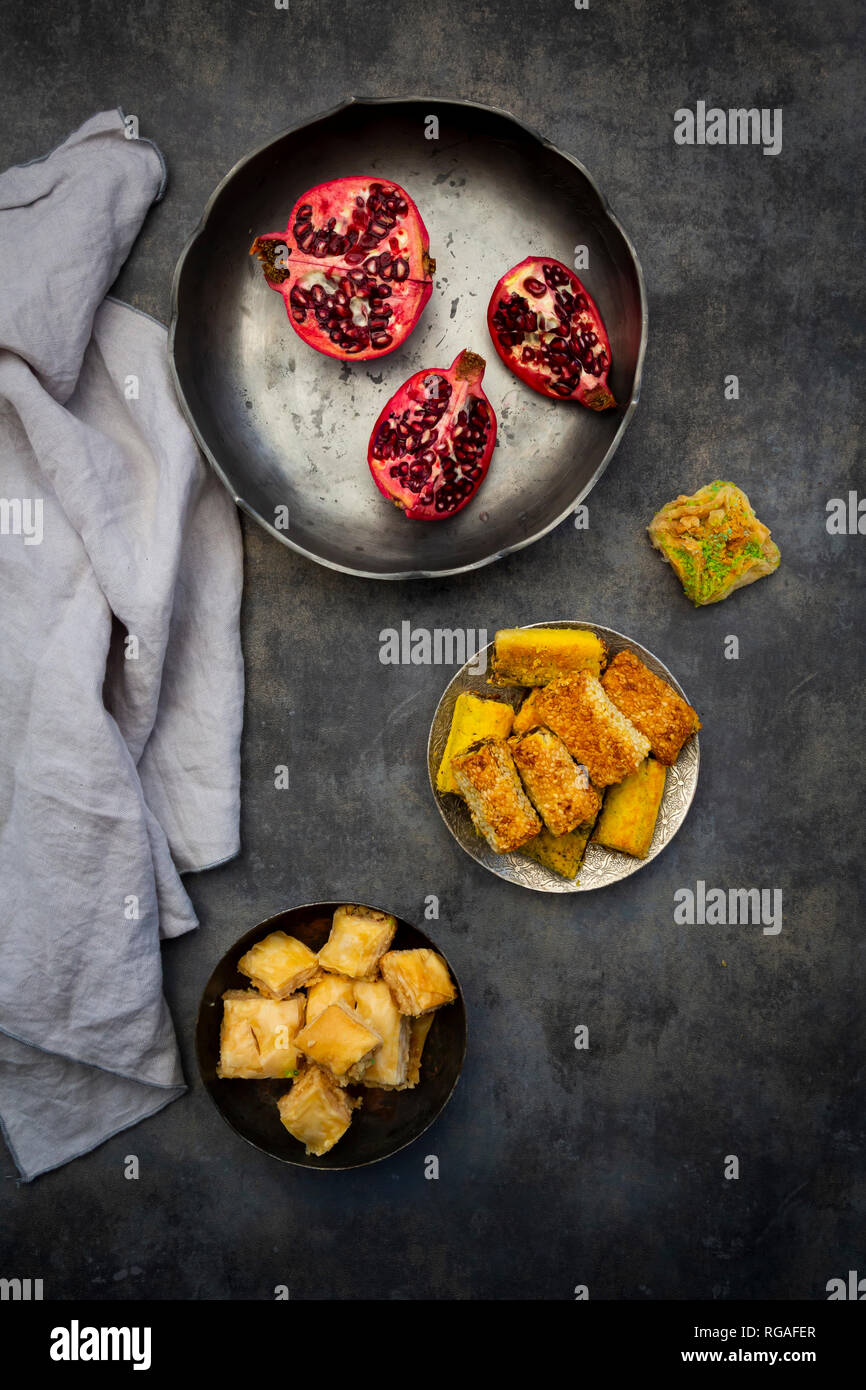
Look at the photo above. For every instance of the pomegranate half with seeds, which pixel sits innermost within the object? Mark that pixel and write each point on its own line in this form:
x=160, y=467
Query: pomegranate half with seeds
x=548, y=331
x=352, y=266
x=431, y=446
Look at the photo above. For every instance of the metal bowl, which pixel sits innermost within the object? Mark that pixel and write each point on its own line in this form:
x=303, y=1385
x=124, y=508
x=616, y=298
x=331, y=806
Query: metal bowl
x=286, y=427
x=601, y=866
x=388, y=1120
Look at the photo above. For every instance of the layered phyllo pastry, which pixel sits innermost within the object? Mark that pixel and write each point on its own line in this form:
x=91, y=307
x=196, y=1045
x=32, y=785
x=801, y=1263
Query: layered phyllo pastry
x=375, y=1005
x=593, y=730
x=652, y=705
x=714, y=542
x=359, y=937
x=536, y=655
x=487, y=779
x=257, y=1035
x=316, y=1110
x=418, y=979
x=340, y=1042
x=473, y=719
x=278, y=965
x=328, y=989
x=558, y=787
x=418, y=1030
x=628, y=817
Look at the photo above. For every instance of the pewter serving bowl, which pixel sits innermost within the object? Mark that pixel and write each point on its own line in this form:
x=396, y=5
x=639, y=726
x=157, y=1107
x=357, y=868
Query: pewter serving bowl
x=287, y=428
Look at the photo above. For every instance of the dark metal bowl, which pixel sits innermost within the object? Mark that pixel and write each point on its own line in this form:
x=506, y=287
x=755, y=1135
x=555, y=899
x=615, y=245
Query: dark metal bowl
x=388, y=1120
x=285, y=426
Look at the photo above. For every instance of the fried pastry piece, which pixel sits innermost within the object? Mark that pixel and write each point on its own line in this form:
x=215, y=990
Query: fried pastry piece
x=714, y=542
x=419, y=980
x=628, y=817
x=558, y=787
x=593, y=730
x=563, y=854
x=500, y=809
x=359, y=936
x=278, y=965
x=536, y=655
x=340, y=1042
x=473, y=719
x=316, y=1111
x=526, y=717
x=257, y=1035
x=652, y=705
x=419, y=1028
x=329, y=989
x=374, y=1003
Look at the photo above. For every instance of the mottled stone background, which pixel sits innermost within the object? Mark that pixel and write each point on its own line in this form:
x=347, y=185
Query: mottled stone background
x=557, y=1167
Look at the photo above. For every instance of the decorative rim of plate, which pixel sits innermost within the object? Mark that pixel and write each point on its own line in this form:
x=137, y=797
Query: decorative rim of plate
x=601, y=866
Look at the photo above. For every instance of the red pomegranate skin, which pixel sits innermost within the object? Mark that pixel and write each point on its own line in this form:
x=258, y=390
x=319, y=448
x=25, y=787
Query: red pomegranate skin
x=547, y=329
x=431, y=446
x=352, y=266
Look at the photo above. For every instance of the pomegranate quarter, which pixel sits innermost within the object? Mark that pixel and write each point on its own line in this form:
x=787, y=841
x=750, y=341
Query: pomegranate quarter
x=548, y=331
x=352, y=266
x=431, y=446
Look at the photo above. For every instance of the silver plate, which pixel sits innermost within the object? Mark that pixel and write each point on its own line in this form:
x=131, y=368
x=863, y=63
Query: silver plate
x=601, y=866
x=285, y=426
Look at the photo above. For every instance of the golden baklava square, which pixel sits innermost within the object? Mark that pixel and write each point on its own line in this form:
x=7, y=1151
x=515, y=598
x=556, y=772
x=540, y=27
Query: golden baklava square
x=340, y=1042
x=359, y=937
x=316, y=1111
x=419, y=980
x=374, y=1003
x=329, y=989
x=257, y=1035
x=278, y=965
x=713, y=541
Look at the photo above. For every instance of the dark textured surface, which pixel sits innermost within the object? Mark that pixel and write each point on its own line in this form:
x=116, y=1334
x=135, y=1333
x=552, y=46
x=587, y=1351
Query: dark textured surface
x=557, y=1167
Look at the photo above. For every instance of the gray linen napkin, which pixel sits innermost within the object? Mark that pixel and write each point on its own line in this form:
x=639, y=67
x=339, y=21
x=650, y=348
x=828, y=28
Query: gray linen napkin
x=121, y=678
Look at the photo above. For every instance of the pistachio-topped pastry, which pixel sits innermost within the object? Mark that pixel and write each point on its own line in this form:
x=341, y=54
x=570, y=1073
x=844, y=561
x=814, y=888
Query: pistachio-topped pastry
x=714, y=542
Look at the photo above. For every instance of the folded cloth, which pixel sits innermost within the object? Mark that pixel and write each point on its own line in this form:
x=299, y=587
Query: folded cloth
x=121, y=678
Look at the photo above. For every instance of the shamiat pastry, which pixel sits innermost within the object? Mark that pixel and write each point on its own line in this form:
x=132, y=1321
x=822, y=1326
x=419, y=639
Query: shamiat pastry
x=558, y=787
x=474, y=718
x=339, y=1042
x=328, y=989
x=374, y=1003
x=526, y=717
x=593, y=730
x=652, y=705
x=359, y=936
x=536, y=655
x=628, y=816
x=257, y=1035
x=487, y=779
x=714, y=542
x=316, y=1110
x=561, y=853
x=419, y=980
x=278, y=965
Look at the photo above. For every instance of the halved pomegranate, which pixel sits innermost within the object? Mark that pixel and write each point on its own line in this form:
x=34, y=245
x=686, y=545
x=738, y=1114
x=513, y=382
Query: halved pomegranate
x=547, y=329
x=352, y=266
x=431, y=446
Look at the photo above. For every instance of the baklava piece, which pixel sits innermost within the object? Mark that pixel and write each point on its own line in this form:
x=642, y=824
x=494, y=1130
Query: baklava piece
x=593, y=730
x=558, y=787
x=563, y=854
x=536, y=655
x=419, y=1028
x=316, y=1111
x=473, y=719
x=359, y=936
x=340, y=1042
x=257, y=1035
x=714, y=542
x=487, y=780
x=652, y=705
x=278, y=965
x=374, y=1004
x=329, y=989
x=628, y=817
x=419, y=980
